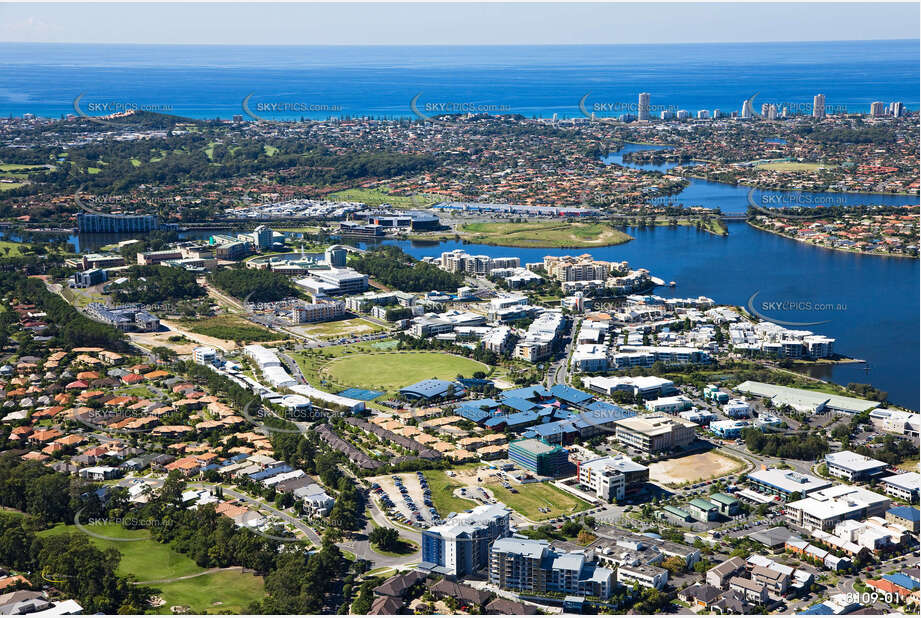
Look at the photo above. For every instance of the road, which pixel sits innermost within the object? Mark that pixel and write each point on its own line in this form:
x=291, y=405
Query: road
x=294, y=521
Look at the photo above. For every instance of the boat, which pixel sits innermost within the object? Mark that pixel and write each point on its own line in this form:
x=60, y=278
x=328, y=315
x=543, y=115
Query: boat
x=672, y=284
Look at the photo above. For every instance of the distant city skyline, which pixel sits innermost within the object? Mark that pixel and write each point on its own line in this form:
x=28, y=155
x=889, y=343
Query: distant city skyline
x=454, y=23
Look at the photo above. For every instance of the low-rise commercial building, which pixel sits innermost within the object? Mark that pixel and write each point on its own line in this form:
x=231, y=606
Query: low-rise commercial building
x=610, y=477
x=823, y=509
x=654, y=433
x=785, y=483
x=852, y=466
x=903, y=486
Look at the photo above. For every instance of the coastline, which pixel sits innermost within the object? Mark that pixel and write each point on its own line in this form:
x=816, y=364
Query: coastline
x=841, y=249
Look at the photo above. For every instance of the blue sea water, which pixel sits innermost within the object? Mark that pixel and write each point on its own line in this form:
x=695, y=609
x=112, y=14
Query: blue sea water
x=212, y=81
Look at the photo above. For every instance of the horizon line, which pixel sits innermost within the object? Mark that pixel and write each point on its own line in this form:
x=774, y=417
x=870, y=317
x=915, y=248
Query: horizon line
x=165, y=44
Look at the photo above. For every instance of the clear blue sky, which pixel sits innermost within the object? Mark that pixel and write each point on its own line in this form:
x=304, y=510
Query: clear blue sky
x=454, y=24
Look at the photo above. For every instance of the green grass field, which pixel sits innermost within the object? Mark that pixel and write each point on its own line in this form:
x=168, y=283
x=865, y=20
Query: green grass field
x=146, y=560
x=548, y=234
x=216, y=593
x=376, y=197
x=230, y=328
x=7, y=248
x=20, y=167
x=443, y=497
x=9, y=186
x=143, y=560
x=530, y=496
x=791, y=166
x=392, y=371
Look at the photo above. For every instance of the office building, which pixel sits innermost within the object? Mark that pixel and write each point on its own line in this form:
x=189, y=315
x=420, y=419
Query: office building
x=903, y=486
x=818, y=106
x=852, y=466
x=702, y=510
x=785, y=483
x=737, y=408
x=730, y=429
x=334, y=281
x=87, y=278
x=610, y=477
x=654, y=433
x=99, y=223
x=897, y=109
x=643, y=107
x=682, y=114
x=528, y=565
x=538, y=457
x=460, y=545
x=669, y=405
x=336, y=256
x=156, y=257
x=641, y=386
x=906, y=516
x=823, y=509
x=703, y=114
x=877, y=109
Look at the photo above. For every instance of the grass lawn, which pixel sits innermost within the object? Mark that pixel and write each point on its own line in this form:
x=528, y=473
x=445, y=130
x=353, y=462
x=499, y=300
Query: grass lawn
x=544, y=234
x=376, y=197
x=443, y=497
x=791, y=166
x=144, y=560
x=20, y=167
x=340, y=328
x=9, y=186
x=530, y=496
x=392, y=371
x=231, y=328
x=7, y=248
x=404, y=548
x=225, y=593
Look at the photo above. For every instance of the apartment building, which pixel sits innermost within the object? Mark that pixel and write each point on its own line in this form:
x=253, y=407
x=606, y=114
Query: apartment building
x=317, y=312
x=646, y=575
x=576, y=268
x=460, y=545
x=534, y=566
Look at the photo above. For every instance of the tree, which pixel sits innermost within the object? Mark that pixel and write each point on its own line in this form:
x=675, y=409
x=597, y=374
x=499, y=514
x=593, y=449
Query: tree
x=386, y=539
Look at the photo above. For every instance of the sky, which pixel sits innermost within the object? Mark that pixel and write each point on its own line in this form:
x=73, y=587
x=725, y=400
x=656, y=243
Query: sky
x=454, y=24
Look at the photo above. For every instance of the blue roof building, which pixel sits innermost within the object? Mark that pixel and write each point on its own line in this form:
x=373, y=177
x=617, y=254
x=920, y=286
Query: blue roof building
x=528, y=392
x=900, y=579
x=569, y=394
x=431, y=389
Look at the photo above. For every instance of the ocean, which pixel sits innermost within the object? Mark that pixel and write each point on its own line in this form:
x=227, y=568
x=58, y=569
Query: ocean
x=320, y=82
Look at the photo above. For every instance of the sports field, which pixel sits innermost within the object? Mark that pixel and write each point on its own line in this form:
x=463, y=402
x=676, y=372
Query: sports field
x=791, y=166
x=394, y=370
x=559, y=234
x=692, y=468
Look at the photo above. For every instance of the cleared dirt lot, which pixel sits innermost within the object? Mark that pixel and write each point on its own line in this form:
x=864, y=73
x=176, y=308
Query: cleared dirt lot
x=692, y=468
